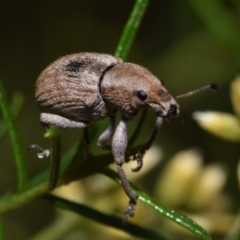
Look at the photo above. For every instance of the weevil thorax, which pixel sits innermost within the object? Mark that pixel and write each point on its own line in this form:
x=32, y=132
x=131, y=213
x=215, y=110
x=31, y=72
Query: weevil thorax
x=130, y=88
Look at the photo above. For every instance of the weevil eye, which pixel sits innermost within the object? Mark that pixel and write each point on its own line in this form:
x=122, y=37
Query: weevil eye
x=142, y=95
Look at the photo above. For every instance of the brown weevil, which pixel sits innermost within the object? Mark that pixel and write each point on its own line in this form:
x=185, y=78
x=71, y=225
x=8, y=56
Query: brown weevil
x=82, y=88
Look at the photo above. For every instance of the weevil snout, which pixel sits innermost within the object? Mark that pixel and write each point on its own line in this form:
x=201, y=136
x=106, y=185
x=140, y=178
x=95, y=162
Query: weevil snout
x=173, y=110
x=164, y=104
x=168, y=110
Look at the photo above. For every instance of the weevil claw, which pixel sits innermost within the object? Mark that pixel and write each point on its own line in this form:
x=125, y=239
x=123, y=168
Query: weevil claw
x=139, y=158
x=41, y=153
x=129, y=212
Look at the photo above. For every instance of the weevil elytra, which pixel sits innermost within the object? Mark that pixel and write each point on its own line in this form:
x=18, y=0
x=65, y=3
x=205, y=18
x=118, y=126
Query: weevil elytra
x=82, y=88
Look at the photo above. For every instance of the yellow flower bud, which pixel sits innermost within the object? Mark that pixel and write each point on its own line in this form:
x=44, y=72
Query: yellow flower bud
x=208, y=186
x=175, y=183
x=223, y=125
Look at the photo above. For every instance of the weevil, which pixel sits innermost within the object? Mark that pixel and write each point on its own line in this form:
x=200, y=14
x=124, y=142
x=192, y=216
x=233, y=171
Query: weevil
x=78, y=89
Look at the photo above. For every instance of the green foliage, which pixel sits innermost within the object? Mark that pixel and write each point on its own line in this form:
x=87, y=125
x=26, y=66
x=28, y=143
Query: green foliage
x=15, y=139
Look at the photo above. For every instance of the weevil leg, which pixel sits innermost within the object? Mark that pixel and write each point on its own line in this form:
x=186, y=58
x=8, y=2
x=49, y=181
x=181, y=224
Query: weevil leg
x=139, y=156
x=51, y=119
x=46, y=120
x=41, y=153
x=139, y=159
x=107, y=134
x=119, y=146
x=55, y=152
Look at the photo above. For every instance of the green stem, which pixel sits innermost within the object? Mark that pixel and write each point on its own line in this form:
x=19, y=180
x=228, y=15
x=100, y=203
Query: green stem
x=36, y=187
x=137, y=131
x=130, y=29
x=125, y=45
x=16, y=107
x=54, y=134
x=14, y=138
x=11, y=202
x=174, y=216
x=2, y=231
x=102, y=218
x=70, y=172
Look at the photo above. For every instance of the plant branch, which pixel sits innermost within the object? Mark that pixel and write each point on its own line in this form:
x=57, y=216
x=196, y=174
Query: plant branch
x=102, y=218
x=14, y=138
x=130, y=29
x=174, y=216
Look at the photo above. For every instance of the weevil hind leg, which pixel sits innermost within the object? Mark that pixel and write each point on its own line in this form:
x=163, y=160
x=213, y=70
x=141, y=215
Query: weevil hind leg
x=41, y=153
x=55, y=153
x=46, y=120
x=132, y=195
x=119, y=146
x=61, y=122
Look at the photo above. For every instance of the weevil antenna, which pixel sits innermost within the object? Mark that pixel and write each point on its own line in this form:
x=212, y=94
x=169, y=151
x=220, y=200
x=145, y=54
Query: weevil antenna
x=213, y=87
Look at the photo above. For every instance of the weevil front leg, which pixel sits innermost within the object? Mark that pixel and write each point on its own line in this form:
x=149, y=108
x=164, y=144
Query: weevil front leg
x=46, y=120
x=139, y=156
x=119, y=146
x=107, y=134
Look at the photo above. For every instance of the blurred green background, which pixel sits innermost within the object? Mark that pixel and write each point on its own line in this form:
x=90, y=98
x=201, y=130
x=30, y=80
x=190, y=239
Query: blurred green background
x=174, y=42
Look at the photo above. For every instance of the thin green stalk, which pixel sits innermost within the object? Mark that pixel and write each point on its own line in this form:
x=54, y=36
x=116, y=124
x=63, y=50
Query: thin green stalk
x=54, y=134
x=130, y=29
x=125, y=44
x=14, y=138
x=103, y=218
x=10, y=202
x=2, y=231
x=174, y=216
x=36, y=187
x=137, y=131
x=16, y=107
x=70, y=172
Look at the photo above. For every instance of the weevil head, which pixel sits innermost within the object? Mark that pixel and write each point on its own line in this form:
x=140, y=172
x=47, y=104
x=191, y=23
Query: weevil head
x=162, y=102
x=131, y=87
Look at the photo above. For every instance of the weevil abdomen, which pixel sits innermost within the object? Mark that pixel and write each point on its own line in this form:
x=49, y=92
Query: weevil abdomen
x=70, y=87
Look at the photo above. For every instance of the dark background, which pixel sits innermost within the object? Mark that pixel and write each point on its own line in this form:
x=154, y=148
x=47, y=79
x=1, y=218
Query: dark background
x=173, y=43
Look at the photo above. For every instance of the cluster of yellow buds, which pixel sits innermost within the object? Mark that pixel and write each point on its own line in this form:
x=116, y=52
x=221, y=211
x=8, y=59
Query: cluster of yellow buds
x=224, y=125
